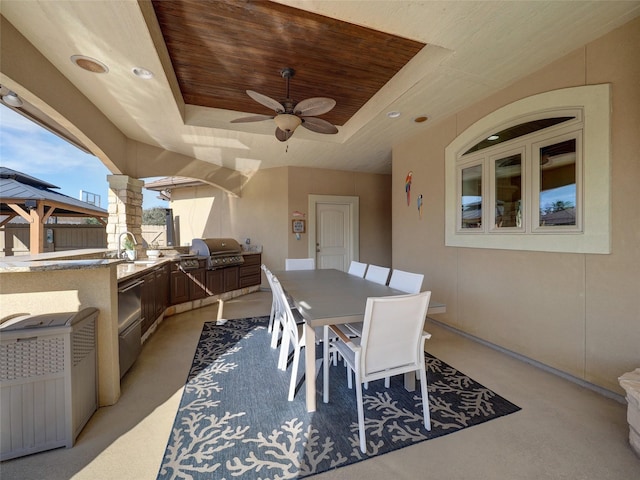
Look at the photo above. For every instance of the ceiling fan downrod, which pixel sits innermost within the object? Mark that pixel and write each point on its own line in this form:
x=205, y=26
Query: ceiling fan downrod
x=287, y=74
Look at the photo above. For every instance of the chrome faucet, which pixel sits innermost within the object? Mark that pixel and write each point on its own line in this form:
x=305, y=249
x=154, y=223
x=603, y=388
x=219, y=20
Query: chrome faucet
x=126, y=232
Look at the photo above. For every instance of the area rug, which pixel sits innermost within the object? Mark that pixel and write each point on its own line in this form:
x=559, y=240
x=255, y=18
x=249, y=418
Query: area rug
x=234, y=420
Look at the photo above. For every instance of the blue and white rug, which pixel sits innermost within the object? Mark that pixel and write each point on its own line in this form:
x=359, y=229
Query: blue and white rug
x=234, y=420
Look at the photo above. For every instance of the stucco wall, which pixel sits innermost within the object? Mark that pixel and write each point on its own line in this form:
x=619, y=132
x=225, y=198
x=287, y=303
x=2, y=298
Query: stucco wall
x=574, y=312
x=375, y=207
x=263, y=211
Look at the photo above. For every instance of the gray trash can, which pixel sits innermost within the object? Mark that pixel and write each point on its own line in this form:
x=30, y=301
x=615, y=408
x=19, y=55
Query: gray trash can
x=47, y=379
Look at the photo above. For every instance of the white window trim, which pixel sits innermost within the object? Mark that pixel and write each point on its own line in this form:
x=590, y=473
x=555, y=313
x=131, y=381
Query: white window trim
x=596, y=224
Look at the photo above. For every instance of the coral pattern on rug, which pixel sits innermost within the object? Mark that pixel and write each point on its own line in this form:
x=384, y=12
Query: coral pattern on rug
x=234, y=420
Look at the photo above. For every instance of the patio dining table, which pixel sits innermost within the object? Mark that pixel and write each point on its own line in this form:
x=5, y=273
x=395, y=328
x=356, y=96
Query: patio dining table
x=331, y=297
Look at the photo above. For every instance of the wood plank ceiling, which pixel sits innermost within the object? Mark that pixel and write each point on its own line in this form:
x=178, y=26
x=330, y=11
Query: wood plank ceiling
x=221, y=48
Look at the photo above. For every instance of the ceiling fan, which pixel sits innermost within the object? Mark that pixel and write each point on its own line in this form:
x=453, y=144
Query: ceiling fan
x=291, y=114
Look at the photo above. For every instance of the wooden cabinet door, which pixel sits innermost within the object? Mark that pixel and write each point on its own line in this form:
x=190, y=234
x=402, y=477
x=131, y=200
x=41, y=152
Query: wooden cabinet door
x=162, y=290
x=231, y=281
x=148, y=301
x=197, y=284
x=215, y=281
x=179, y=287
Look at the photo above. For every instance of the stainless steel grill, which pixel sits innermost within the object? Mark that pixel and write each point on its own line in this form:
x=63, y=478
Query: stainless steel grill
x=189, y=262
x=220, y=252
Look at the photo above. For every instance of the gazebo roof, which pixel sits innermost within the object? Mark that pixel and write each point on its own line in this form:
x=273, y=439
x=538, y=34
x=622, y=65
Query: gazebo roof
x=35, y=201
x=17, y=188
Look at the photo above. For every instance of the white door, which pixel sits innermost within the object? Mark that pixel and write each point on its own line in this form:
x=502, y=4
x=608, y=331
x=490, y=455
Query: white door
x=333, y=230
x=332, y=239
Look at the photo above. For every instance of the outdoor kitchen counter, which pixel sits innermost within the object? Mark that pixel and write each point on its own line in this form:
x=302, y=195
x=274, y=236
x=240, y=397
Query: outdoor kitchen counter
x=44, y=286
x=124, y=270
x=37, y=285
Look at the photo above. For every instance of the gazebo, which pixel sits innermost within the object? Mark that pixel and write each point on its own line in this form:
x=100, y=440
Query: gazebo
x=35, y=201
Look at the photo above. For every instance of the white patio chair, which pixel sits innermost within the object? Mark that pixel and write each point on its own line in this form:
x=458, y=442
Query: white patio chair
x=400, y=280
x=358, y=269
x=387, y=348
x=276, y=320
x=293, y=336
x=276, y=317
x=406, y=281
x=267, y=274
x=299, y=263
x=377, y=274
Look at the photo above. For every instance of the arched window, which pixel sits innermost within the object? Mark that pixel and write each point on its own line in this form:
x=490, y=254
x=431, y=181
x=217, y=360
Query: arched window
x=533, y=175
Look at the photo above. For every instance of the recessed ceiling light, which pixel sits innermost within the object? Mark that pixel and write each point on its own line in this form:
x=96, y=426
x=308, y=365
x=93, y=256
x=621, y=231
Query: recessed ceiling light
x=142, y=73
x=493, y=137
x=420, y=119
x=89, y=64
x=393, y=114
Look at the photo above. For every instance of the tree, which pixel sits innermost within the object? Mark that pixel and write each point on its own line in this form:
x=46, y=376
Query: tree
x=557, y=206
x=154, y=216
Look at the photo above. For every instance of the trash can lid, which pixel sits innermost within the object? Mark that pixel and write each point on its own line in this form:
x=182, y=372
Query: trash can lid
x=46, y=320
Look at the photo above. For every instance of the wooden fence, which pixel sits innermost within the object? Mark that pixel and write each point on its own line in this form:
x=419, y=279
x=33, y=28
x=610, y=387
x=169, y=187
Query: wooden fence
x=14, y=238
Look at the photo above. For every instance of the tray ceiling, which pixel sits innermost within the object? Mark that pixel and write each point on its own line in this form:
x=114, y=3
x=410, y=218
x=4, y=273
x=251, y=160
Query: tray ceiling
x=219, y=49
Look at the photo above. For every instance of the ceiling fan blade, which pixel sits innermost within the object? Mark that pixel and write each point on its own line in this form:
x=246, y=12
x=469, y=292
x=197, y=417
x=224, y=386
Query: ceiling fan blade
x=266, y=101
x=318, y=125
x=254, y=118
x=314, y=106
x=282, y=135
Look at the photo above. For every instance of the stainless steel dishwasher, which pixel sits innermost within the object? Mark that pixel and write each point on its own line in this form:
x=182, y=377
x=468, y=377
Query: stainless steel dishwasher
x=129, y=323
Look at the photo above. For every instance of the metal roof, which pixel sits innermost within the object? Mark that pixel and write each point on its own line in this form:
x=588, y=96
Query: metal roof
x=17, y=187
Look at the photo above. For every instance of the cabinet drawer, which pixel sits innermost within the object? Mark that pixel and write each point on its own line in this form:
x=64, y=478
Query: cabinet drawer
x=248, y=271
x=249, y=281
x=252, y=259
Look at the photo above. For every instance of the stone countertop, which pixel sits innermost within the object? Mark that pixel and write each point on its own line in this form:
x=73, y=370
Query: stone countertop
x=124, y=269
x=16, y=265
x=129, y=270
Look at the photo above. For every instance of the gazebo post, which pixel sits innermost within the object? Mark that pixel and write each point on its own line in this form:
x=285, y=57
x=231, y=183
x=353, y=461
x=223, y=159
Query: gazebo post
x=36, y=231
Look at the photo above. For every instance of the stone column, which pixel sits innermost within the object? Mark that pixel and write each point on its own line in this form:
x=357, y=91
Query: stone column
x=125, y=209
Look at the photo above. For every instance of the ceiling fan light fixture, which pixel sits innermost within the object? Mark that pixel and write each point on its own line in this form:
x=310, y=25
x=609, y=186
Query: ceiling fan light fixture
x=290, y=114
x=12, y=98
x=287, y=122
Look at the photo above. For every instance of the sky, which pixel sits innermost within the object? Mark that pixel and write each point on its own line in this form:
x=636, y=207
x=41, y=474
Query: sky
x=28, y=148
